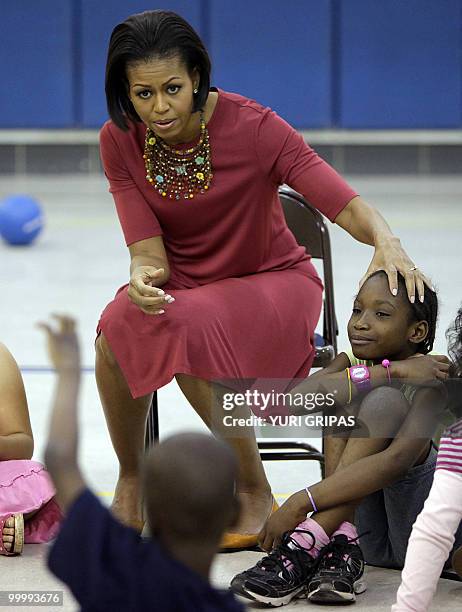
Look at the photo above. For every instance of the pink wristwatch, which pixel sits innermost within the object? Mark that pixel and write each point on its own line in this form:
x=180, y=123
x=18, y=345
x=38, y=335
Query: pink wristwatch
x=361, y=377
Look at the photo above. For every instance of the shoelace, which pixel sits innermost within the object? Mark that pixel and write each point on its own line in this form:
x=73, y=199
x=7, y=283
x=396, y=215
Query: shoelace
x=336, y=555
x=288, y=556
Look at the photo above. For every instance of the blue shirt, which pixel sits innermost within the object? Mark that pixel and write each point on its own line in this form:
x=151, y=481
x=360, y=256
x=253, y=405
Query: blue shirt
x=108, y=567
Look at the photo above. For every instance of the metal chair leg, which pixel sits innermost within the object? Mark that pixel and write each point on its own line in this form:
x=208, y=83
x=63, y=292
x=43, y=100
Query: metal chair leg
x=152, y=424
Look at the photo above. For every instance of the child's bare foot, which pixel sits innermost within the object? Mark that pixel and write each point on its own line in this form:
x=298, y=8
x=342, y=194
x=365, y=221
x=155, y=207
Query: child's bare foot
x=8, y=534
x=126, y=505
x=255, y=509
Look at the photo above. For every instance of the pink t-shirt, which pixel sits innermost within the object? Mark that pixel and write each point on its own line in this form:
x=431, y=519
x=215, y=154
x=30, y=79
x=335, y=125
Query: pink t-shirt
x=450, y=450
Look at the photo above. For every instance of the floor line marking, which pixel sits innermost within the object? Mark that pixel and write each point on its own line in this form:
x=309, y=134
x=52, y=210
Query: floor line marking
x=48, y=369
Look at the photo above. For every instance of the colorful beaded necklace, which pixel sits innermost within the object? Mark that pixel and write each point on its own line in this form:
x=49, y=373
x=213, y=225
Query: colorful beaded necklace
x=178, y=174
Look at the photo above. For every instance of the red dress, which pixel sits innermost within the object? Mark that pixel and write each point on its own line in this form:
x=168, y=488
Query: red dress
x=247, y=297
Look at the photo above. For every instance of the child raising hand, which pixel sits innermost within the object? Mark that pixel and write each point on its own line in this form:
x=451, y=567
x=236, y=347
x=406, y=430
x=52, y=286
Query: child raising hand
x=188, y=485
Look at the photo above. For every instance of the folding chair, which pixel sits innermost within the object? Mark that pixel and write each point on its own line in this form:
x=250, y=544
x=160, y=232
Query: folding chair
x=310, y=230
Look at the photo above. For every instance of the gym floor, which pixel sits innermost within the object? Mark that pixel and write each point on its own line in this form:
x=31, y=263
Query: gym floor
x=79, y=262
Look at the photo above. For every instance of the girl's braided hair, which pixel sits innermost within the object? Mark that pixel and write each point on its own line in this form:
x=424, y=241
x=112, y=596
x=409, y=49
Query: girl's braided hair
x=425, y=311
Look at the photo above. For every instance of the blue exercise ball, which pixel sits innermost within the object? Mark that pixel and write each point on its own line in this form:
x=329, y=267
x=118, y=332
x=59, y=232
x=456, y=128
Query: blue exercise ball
x=21, y=219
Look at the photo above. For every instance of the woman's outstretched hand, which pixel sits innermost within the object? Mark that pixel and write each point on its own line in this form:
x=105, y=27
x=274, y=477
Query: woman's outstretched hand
x=286, y=518
x=390, y=257
x=142, y=290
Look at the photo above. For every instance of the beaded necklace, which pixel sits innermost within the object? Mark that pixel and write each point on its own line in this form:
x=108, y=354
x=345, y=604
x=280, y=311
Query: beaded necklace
x=176, y=173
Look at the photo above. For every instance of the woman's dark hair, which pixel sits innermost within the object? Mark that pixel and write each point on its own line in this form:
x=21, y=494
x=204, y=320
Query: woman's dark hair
x=148, y=35
x=420, y=311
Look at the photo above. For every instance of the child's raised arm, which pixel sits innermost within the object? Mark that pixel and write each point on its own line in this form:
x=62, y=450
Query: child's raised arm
x=62, y=445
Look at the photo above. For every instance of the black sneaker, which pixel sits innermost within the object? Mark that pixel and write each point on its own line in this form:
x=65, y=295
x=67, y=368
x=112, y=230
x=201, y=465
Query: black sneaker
x=280, y=576
x=337, y=577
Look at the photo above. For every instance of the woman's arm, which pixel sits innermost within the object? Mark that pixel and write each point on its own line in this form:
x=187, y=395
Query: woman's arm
x=366, y=224
x=287, y=159
x=16, y=440
x=151, y=253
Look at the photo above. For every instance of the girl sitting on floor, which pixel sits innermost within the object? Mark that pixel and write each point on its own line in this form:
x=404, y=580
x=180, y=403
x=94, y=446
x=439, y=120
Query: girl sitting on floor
x=377, y=483
x=28, y=510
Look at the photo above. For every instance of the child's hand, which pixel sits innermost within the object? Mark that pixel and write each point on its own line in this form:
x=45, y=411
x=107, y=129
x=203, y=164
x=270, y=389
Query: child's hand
x=286, y=518
x=63, y=345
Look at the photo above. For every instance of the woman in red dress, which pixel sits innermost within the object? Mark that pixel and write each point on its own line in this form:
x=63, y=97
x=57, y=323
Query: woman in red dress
x=219, y=288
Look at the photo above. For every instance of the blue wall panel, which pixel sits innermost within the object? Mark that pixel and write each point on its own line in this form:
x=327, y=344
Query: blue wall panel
x=278, y=53
x=98, y=19
x=400, y=64
x=319, y=63
x=36, y=45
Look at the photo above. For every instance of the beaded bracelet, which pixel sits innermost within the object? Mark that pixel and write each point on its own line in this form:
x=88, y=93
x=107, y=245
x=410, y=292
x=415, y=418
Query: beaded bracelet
x=311, y=499
x=349, y=386
x=386, y=364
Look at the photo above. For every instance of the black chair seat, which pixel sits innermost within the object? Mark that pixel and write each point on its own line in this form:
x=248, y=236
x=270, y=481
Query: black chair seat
x=324, y=355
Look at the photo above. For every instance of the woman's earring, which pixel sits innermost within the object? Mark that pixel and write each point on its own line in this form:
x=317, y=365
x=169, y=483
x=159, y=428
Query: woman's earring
x=195, y=90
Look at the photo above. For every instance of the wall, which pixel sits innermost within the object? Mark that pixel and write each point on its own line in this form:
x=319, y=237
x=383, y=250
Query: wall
x=319, y=63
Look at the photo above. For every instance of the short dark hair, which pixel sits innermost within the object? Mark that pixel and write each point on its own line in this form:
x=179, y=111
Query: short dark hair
x=152, y=34
x=420, y=311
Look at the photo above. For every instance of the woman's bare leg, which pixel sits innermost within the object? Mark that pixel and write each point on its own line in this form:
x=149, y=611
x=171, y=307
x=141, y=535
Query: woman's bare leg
x=126, y=421
x=253, y=488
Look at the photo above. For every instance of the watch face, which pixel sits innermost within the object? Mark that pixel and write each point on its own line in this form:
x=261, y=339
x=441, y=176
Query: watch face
x=360, y=373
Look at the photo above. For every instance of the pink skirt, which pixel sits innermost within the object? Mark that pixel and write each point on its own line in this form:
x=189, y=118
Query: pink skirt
x=26, y=486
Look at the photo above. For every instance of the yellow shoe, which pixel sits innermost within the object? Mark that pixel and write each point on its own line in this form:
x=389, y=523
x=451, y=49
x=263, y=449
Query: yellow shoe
x=18, y=538
x=232, y=542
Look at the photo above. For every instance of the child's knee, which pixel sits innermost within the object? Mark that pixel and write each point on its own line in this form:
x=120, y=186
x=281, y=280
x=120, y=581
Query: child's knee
x=383, y=411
